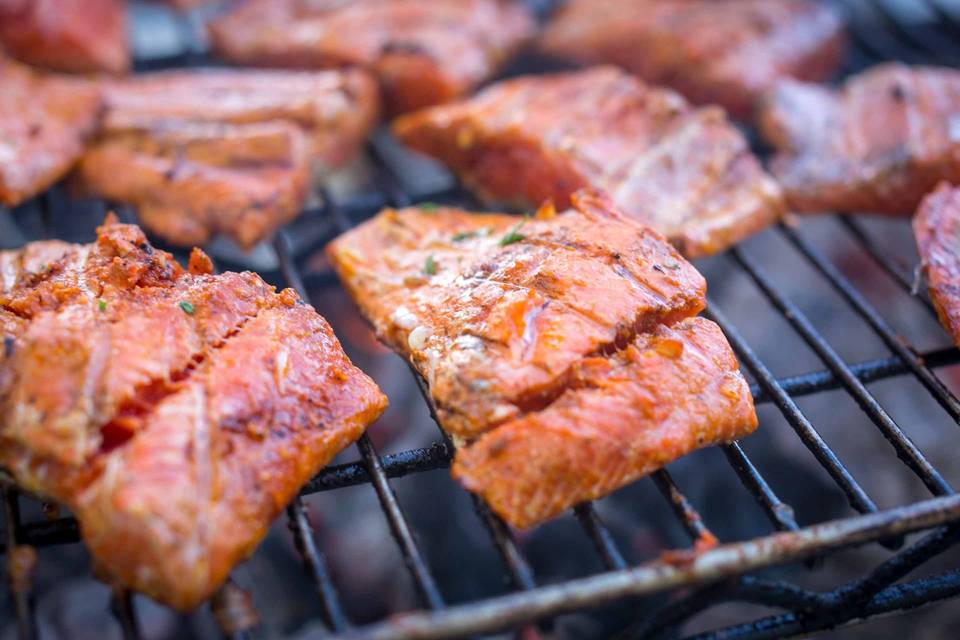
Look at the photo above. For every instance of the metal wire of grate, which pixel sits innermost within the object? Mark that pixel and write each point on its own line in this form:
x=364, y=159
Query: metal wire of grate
x=878, y=33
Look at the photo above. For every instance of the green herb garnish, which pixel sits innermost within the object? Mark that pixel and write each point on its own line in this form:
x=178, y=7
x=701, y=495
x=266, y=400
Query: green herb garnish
x=102, y=304
x=513, y=235
x=428, y=207
x=430, y=266
x=187, y=308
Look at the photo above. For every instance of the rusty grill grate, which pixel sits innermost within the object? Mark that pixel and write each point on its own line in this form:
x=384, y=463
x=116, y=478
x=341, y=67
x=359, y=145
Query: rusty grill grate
x=879, y=31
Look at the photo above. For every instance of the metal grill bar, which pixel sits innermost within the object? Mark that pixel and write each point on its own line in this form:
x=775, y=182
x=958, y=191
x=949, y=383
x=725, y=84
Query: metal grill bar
x=681, y=507
x=906, y=449
x=893, y=267
x=727, y=560
x=19, y=586
x=810, y=437
x=896, y=343
x=422, y=578
x=121, y=605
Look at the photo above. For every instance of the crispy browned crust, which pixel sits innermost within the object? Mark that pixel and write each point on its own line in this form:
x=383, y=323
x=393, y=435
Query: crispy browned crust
x=686, y=172
x=190, y=181
x=669, y=392
x=879, y=144
x=66, y=35
x=424, y=53
x=175, y=413
x=936, y=227
x=726, y=52
x=512, y=325
x=45, y=121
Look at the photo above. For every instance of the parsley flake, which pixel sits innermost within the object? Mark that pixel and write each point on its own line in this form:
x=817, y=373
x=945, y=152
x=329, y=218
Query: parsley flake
x=430, y=266
x=428, y=207
x=466, y=235
x=187, y=308
x=102, y=304
x=513, y=235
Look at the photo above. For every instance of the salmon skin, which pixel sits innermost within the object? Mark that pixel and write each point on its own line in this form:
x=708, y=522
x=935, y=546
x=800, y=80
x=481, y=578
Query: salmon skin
x=687, y=172
x=174, y=412
x=936, y=227
x=45, y=122
x=878, y=144
x=76, y=36
x=423, y=52
x=525, y=328
x=209, y=152
x=726, y=52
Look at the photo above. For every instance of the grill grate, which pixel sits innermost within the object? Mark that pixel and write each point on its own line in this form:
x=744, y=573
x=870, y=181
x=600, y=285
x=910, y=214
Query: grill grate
x=878, y=32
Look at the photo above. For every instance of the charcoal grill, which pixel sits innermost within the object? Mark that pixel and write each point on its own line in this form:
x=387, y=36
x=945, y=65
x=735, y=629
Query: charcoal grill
x=693, y=581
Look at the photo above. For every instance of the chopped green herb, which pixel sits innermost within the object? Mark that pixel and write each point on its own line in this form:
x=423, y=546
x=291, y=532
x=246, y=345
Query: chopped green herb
x=513, y=235
x=428, y=207
x=102, y=304
x=187, y=308
x=430, y=267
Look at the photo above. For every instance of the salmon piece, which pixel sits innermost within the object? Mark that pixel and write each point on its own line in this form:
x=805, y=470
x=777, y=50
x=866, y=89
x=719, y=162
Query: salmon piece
x=687, y=172
x=67, y=35
x=45, y=122
x=510, y=321
x=423, y=53
x=232, y=152
x=174, y=412
x=936, y=227
x=728, y=52
x=336, y=109
x=495, y=329
x=192, y=181
x=879, y=144
x=668, y=393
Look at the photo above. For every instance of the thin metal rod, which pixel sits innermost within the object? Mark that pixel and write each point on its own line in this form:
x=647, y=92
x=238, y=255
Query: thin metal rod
x=601, y=537
x=779, y=513
x=896, y=343
x=681, y=507
x=905, y=448
x=856, y=496
x=724, y=561
x=412, y=557
x=121, y=605
x=19, y=584
x=893, y=267
x=315, y=565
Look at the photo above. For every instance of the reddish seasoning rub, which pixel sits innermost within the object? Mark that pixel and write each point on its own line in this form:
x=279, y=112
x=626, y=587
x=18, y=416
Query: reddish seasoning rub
x=879, y=143
x=687, y=172
x=45, y=121
x=175, y=438
x=232, y=152
x=726, y=52
x=66, y=35
x=560, y=351
x=423, y=52
x=937, y=230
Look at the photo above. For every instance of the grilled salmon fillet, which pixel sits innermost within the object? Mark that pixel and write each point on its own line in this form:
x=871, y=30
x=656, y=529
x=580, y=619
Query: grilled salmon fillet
x=45, y=122
x=515, y=323
x=336, y=109
x=878, y=144
x=192, y=181
x=687, y=172
x=66, y=35
x=232, y=152
x=423, y=51
x=174, y=412
x=726, y=52
x=936, y=227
